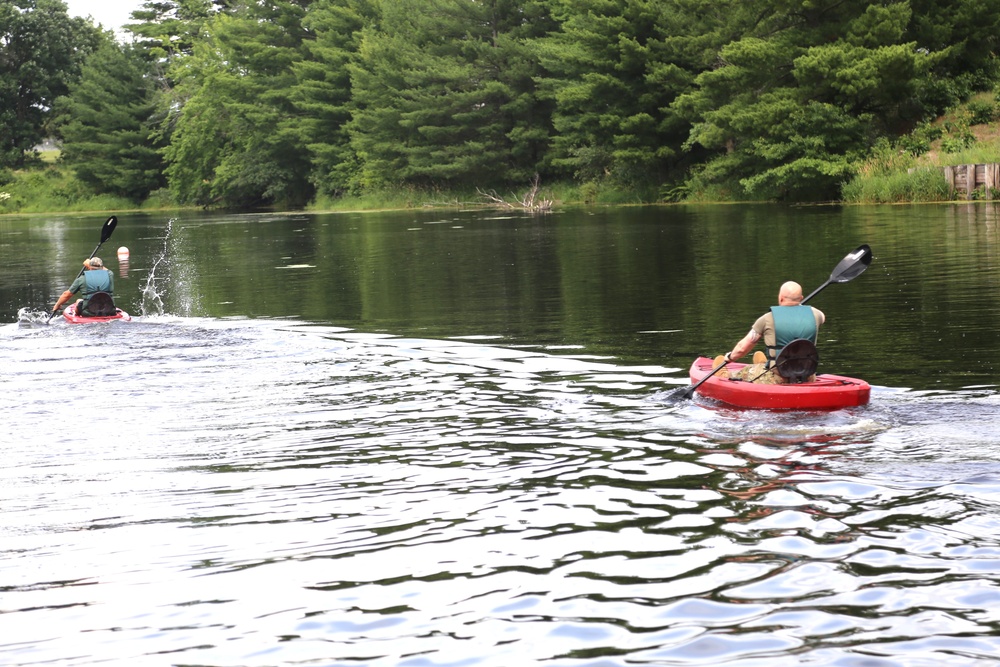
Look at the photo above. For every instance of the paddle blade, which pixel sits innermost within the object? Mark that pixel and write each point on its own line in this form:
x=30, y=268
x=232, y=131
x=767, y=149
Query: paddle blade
x=682, y=394
x=686, y=393
x=108, y=228
x=853, y=265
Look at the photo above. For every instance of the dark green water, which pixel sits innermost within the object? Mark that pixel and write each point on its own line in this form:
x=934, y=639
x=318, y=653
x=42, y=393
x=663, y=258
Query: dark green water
x=642, y=284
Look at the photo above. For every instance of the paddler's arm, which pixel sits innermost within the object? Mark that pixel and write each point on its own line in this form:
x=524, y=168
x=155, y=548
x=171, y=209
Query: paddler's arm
x=745, y=345
x=74, y=288
x=62, y=299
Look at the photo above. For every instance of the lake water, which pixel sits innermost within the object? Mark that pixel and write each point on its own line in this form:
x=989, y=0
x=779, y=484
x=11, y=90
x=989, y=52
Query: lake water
x=445, y=438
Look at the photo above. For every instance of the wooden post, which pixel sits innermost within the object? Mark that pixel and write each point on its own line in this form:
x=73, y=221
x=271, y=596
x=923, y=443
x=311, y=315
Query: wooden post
x=969, y=177
x=992, y=170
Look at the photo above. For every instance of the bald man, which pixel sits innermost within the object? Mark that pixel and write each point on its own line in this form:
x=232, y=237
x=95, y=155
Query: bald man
x=780, y=326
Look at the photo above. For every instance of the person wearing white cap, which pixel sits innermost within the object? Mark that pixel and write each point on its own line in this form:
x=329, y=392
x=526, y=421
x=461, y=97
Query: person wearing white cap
x=97, y=285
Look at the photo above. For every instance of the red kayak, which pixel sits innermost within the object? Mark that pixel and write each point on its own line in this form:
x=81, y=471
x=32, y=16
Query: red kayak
x=70, y=314
x=826, y=392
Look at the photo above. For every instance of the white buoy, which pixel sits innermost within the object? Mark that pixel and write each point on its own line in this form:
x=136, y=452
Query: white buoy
x=123, y=253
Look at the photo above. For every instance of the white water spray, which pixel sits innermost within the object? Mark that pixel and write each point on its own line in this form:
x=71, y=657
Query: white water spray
x=152, y=301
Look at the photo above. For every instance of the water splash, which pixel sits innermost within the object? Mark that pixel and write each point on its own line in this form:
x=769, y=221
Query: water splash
x=28, y=317
x=152, y=294
x=170, y=287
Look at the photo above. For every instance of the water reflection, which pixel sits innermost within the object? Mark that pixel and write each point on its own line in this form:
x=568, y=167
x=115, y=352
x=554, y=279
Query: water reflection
x=637, y=284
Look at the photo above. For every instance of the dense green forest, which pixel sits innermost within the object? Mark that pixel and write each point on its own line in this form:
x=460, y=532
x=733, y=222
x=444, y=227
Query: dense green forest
x=293, y=102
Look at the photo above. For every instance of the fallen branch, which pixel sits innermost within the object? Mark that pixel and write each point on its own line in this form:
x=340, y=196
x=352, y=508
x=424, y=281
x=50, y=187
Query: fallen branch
x=529, y=202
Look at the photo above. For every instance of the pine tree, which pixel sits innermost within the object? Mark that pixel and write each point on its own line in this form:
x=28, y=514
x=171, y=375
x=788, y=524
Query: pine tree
x=444, y=93
x=613, y=75
x=322, y=92
x=800, y=95
x=104, y=122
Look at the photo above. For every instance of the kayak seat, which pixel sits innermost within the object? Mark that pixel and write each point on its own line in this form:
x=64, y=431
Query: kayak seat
x=797, y=361
x=100, y=305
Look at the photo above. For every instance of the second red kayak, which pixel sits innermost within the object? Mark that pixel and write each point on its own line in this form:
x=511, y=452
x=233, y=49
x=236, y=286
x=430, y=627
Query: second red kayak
x=70, y=314
x=826, y=392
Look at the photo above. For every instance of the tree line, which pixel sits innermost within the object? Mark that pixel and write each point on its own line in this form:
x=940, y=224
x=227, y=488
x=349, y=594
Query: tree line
x=280, y=102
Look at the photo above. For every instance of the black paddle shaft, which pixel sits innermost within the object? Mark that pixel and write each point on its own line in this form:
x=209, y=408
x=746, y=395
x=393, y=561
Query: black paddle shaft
x=106, y=230
x=849, y=268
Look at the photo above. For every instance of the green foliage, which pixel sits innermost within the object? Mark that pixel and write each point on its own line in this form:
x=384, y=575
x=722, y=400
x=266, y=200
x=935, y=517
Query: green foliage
x=982, y=112
x=965, y=33
x=229, y=144
x=919, y=141
x=959, y=134
x=444, y=93
x=976, y=153
x=160, y=199
x=281, y=102
x=52, y=189
x=322, y=93
x=957, y=143
x=614, y=67
x=167, y=29
x=41, y=52
x=886, y=158
x=792, y=111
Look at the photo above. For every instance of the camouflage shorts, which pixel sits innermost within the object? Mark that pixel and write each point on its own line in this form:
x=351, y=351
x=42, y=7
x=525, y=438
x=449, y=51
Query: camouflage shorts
x=757, y=374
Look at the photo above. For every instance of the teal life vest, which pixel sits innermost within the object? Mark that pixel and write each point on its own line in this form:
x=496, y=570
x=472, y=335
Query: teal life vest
x=791, y=323
x=98, y=280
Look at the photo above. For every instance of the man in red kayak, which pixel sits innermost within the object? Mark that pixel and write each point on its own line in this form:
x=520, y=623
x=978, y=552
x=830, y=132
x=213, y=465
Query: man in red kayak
x=781, y=325
x=98, y=287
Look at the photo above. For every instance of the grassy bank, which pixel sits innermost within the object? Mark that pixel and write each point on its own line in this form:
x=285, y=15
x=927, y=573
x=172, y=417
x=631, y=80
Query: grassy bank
x=910, y=170
x=47, y=187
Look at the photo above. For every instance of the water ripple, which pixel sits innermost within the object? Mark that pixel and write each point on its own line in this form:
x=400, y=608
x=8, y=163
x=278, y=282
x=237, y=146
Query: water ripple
x=267, y=492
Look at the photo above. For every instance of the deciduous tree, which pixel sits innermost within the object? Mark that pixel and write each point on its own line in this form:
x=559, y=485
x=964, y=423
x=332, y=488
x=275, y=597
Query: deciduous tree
x=41, y=51
x=229, y=144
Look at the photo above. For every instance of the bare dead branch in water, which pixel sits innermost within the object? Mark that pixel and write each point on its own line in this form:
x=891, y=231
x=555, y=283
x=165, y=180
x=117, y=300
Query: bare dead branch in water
x=493, y=197
x=529, y=202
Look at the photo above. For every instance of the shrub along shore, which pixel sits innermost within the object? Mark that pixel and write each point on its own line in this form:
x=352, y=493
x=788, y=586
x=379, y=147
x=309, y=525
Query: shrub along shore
x=904, y=172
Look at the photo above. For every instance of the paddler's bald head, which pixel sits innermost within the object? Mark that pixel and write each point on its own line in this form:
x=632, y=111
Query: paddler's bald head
x=790, y=294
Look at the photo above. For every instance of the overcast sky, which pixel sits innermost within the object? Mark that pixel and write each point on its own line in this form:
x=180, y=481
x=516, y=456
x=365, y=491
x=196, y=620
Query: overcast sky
x=112, y=14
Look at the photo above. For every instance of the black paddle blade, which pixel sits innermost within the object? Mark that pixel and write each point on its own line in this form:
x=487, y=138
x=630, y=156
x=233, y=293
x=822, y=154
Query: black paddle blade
x=686, y=393
x=680, y=395
x=108, y=228
x=853, y=265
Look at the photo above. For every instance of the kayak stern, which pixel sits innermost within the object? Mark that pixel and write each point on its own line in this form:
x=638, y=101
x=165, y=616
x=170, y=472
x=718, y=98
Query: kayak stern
x=70, y=314
x=826, y=392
